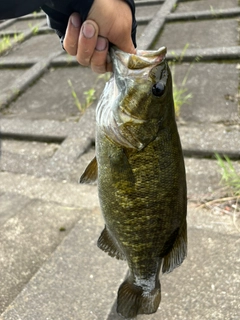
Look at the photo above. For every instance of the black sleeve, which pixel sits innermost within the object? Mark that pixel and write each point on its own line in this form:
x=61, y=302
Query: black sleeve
x=134, y=23
x=16, y=8
x=58, y=14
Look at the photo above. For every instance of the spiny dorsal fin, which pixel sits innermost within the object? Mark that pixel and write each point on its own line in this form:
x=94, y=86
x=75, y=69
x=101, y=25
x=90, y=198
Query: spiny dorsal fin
x=107, y=244
x=178, y=253
x=91, y=172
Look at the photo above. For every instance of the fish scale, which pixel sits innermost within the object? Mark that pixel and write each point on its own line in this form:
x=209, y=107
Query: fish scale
x=141, y=177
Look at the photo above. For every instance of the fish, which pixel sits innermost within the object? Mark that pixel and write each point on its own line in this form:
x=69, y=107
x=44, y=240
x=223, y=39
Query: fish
x=141, y=177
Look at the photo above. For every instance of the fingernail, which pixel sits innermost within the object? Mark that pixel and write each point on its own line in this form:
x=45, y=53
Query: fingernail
x=75, y=20
x=101, y=44
x=88, y=30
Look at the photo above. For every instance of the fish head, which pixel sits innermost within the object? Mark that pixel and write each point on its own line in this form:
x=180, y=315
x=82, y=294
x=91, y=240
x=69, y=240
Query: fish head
x=144, y=84
x=137, y=99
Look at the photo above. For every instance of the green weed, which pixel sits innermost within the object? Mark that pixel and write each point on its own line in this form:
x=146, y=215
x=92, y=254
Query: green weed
x=75, y=97
x=6, y=41
x=89, y=97
x=18, y=37
x=230, y=178
x=213, y=12
x=180, y=92
x=34, y=28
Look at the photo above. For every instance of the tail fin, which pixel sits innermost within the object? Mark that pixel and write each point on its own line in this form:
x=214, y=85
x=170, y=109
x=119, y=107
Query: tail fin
x=133, y=300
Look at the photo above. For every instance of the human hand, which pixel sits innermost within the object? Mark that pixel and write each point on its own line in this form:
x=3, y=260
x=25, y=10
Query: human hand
x=107, y=21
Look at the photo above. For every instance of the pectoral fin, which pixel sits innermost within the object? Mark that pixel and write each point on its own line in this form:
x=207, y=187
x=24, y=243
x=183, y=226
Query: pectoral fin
x=178, y=252
x=121, y=168
x=91, y=172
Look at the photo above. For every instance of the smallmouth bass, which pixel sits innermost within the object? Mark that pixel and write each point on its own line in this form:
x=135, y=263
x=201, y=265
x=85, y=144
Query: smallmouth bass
x=141, y=177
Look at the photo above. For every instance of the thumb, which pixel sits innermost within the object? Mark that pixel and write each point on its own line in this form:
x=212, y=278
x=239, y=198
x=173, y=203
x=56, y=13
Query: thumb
x=114, y=19
x=124, y=43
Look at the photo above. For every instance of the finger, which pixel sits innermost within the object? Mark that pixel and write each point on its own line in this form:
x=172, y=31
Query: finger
x=87, y=42
x=127, y=47
x=124, y=43
x=99, y=57
x=70, y=42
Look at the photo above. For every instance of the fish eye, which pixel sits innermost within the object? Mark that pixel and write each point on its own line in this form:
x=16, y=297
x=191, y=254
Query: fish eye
x=158, y=89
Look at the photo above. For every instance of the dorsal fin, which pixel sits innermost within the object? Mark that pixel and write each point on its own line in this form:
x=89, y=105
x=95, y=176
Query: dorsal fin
x=90, y=173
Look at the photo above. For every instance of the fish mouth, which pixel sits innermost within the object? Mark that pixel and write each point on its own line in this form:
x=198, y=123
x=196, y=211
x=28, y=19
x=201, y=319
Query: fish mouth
x=142, y=59
x=155, y=55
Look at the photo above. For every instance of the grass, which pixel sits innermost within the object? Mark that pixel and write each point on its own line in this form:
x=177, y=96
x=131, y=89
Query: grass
x=6, y=41
x=181, y=95
x=89, y=97
x=33, y=28
x=229, y=176
x=213, y=12
x=229, y=203
x=230, y=179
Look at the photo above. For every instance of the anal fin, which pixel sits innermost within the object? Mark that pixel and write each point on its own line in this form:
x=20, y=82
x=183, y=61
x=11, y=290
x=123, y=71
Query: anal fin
x=107, y=244
x=91, y=172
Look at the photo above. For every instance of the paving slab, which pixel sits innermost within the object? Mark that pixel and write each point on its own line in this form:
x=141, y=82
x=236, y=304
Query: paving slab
x=46, y=189
x=153, y=28
x=9, y=94
x=27, y=240
x=44, y=130
x=214, y=88
x=188, y=6
x=147, y=11
x=52, y=99
x=10, y=204
x=36, y=215
x=26, y=157
x=23, y=25
x=203, y=140
x=67, y=286
x=7, y=77
x=203, y=178
x=204, y=15
x=75, y=146
x=220, y=54
x=199, y=34
x=37, y=46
